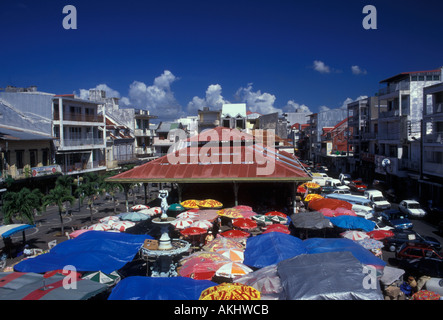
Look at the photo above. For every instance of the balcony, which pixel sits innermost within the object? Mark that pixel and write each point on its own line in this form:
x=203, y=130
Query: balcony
x=80, y=143
x=144, y=133
x=394, y=87
x=79, y=117
x=407, y=164
x=434, y=138
x=81, y=167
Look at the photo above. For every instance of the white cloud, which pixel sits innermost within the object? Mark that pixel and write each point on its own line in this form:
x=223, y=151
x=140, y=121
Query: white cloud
x=357, y=70
x=158, y=98
x=256, y=101
x=321, y=67
x=213, y=100
x=292, y=106
x=324, y=108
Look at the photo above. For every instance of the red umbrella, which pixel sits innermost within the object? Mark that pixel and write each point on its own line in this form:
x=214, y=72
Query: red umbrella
x=333, y=204
x=380, y=234
x=193, y=231
x=198, y=270
x=244, y=223
x=301, y=189
x=243, y=208
x=277, y=228
x=276, y=213
x=235, y=234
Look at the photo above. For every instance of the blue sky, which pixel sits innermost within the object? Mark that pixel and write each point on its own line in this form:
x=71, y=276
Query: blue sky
x=174, y=57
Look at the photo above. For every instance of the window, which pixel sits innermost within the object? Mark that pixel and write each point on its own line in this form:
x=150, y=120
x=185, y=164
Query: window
x=428, y=78
x=19, y=158
x=45, y=157
x=436, y=78
x=33, y=158
x=414, y=78
x=421, y=78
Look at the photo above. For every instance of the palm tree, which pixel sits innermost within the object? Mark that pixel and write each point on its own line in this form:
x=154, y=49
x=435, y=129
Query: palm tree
x=58, y=196
x=111, y=187
x=22, y=205
x=89, y=189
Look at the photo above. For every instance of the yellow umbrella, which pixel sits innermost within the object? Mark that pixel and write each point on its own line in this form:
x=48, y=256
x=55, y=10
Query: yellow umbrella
x=313, y=196
x=230, y=213
x=230, y=291
x=311, y=185
x=190, y=204
x=209, y=203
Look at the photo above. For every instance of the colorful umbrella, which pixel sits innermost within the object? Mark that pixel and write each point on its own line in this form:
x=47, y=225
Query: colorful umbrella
x=235, y=255
x=190, y=204
x=220, y=243
x=312, y=196
x=76, y=233
x=333, y=204
x=248, y=214
x=176, y=207
x=311, y=185
x=139, y=207
x=186, y=215
x=122, y=225
x=230, y=213
x=193, y=231
x=209, y=203
x=277, y=228
x=232, y=270
x=230, y=291
x=278, y=219
x=204, y=256
x=354, y=235
x=100, y=277
x=243, y=208
x=301, y=189
x=327, y=212
x=244, y=223
x=425, y=295
x=198, y=271
x=182, y=223
x=208, y=214
x=134, y=216
x=100, y=227
x=109, y=219
x=380, y=234
x=344, y=212
x=276, y=213
x=235, y=234
x=370, y=244
x=205, y=224
x=260, y=218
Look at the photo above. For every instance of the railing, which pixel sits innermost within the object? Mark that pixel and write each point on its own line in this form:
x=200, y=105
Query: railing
x=82, y=142
x=409, y=164
x=80, y=166
x=79, y=117
x=144, y=132
x=393, y=88
x=389, y=114
x=436, y=137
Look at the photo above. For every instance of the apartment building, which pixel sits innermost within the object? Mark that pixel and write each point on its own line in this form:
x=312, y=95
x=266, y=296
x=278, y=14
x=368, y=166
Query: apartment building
x=399, y=127
x=81, y=134
x=431, y=173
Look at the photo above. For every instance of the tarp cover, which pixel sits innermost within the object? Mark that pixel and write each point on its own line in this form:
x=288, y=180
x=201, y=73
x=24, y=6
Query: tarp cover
x=350, y=222
x=149, y=288
x=270, y=248
x=32, y=286
x=91, y=251
x=326, y=276
x=320, y=245
x=310, y=220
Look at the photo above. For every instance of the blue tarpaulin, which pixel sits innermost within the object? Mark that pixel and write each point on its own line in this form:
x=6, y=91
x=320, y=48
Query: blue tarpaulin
x=91, y=251
x=351, y=222
x=148, y=288
x=271, y=248
x=321, y=245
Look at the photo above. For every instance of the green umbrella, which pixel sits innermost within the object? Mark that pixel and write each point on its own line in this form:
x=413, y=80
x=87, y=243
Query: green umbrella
x=100, y=277
x=262, y=219
x=176, y=207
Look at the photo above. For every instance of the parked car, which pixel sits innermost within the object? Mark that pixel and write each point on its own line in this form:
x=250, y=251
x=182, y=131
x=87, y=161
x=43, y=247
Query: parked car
x=327, y=189
x=409, y=236
x=336, y=184
x=358, y=185
x=341, y=191
x=410, y=250
x=396, y=219
x=412, y=208
x=378, y=202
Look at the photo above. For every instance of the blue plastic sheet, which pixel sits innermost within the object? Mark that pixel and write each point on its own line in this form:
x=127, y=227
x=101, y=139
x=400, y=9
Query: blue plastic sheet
x=321, y=245
x=271, y=248
x=91, y=251
x=351, y=222
x=148, y=288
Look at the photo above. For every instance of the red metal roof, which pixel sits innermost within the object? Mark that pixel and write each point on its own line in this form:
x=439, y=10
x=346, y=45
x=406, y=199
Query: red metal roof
x=244, y=163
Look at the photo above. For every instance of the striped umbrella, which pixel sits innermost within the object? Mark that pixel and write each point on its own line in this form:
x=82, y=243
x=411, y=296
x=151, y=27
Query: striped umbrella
x=109, y=219
x=232, y=270
x=139, y=207
x=354, y=235
x=100, y=227
x=205, y=224
x=122, y=225
x=186, y=215
x=276, y=213
x=235, y=255
x=182, y=223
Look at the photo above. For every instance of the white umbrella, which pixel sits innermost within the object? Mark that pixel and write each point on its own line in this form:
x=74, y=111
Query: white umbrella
x=354, y=235
x=151, y=211
x=205, y=224
x=186, y=215
x=109, y=219
x=100, y=277
x=182, y=223
x=100, y=227
x=139, y=207
x=122, y=225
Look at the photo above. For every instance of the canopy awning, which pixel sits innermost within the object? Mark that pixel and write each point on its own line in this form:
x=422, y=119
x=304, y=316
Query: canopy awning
x=9, y=229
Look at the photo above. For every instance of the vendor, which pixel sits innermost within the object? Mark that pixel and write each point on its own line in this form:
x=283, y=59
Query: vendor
x=27, y=251
x=209, y=237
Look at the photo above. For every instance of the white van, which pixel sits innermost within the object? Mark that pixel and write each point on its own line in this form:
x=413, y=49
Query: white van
x=378, y=201
x=337, y=184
